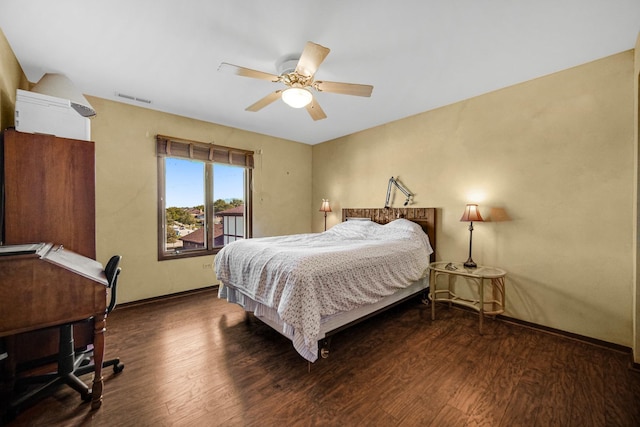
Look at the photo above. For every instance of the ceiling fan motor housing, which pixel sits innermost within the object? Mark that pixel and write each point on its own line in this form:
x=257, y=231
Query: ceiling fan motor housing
x=287, y=64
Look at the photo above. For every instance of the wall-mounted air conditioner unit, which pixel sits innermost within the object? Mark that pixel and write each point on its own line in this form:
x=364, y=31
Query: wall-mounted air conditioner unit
x=39, y=113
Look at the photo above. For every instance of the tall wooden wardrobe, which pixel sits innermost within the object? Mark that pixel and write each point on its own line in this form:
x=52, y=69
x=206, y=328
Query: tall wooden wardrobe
x=48, y=189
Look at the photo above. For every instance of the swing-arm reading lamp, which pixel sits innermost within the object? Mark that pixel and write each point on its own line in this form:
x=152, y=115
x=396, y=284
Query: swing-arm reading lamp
x=393, y=181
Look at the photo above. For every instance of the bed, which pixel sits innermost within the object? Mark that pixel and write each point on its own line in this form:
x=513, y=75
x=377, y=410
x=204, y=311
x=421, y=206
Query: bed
x=310, y=286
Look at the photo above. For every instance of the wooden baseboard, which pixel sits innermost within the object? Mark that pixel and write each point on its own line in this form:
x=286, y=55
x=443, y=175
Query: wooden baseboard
x=565, y=334
x=561, y=333
x=207, y=289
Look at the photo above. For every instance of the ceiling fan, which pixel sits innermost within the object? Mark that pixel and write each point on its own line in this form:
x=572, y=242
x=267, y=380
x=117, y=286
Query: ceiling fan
x=297, y=75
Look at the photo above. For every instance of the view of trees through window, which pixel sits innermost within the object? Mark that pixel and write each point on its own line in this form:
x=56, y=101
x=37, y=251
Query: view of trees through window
x=186, y=193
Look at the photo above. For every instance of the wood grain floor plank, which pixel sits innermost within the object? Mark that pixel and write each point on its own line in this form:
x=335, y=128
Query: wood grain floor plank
x=526, y=403
x=622, y=391
x=449, y=417
x=514, y=352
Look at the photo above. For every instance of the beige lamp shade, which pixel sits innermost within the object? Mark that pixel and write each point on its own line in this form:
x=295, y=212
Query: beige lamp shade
x=471, y=213
x=325, y=206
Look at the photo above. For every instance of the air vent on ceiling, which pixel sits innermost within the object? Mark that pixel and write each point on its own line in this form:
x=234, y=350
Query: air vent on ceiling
x=132, y=98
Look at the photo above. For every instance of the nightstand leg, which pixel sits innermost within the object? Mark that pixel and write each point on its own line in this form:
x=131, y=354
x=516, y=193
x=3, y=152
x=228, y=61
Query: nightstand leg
x=498, y=294
x=432, y=292
x=481, y=303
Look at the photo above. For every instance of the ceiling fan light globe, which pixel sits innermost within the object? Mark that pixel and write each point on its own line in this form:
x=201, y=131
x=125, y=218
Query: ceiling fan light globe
x=296, y=97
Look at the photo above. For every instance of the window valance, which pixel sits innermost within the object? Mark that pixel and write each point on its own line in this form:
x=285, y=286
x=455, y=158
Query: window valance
x=167, y=146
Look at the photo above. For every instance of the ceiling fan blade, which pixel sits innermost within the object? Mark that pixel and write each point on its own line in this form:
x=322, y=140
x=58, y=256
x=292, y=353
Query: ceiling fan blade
x=344, y=88
x=315, y=111
x=247, y=72
x=259, y=105
x=311, y=58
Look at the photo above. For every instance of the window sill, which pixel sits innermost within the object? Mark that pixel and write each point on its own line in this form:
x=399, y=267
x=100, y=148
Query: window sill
x=187, y=254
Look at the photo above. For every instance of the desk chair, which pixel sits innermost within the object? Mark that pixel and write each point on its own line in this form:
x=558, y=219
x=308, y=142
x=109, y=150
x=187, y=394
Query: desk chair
x=71, y=364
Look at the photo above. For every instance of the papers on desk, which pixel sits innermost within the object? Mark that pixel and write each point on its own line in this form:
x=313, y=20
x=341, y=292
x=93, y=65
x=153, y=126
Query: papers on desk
x=25, y=249
x=87, y=267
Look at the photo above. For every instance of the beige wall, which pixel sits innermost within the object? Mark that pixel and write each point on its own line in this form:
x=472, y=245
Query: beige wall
x=126, y=193
x=636, y=222
x=550, y=163
x=11, y=78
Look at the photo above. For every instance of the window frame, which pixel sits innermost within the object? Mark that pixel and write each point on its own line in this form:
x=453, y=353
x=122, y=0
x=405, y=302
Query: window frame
x=208, y=154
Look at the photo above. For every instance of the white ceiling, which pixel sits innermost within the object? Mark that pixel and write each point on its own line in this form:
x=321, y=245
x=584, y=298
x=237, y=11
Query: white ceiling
x=418, y=54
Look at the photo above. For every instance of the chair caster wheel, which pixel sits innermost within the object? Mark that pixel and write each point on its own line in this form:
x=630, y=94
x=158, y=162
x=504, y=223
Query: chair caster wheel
x=117, y=368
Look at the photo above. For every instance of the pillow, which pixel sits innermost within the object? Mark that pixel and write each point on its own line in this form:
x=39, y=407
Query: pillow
x=404, y=224
x=354, y=229
x=353, y=218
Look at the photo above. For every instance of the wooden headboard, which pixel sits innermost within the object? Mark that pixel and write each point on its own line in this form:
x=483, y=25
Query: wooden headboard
x=426, y=217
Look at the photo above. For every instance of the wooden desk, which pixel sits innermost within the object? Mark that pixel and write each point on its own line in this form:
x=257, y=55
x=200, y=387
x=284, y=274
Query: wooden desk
x=49, y=287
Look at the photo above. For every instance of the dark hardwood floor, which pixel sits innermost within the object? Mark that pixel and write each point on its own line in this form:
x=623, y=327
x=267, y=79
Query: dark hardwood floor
x=195, y=360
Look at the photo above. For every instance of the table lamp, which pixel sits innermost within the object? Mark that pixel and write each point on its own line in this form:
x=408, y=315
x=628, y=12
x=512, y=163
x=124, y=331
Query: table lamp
x=471, y=213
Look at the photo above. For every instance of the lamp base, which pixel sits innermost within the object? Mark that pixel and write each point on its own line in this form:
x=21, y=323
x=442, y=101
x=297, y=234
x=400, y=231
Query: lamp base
x=470, y=264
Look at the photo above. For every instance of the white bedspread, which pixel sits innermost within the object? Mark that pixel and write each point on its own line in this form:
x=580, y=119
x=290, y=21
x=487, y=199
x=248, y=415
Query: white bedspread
x=306, y=276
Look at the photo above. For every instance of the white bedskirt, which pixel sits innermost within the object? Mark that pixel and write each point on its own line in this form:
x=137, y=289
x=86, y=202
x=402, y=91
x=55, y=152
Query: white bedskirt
x=328, y=324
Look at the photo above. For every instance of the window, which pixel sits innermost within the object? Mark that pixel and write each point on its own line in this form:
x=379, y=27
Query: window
x=204, y=197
